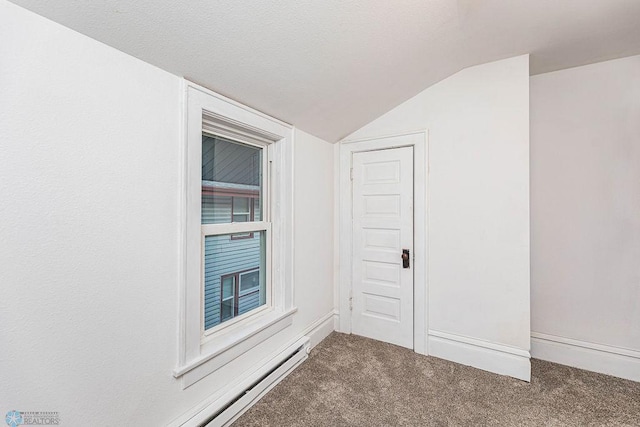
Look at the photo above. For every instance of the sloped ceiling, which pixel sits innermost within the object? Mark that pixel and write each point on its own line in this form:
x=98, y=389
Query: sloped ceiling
x=331, y=66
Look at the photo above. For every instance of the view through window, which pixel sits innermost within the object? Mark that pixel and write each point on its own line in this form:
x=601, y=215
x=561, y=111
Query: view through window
x=234, y=263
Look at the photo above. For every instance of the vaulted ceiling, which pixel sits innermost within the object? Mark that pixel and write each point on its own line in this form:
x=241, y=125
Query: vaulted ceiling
x=331, y=66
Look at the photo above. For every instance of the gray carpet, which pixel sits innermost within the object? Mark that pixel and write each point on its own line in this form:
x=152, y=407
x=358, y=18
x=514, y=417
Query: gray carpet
x=354, y=381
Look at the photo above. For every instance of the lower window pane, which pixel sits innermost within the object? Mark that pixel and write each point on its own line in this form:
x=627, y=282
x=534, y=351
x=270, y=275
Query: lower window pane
x=234, y=277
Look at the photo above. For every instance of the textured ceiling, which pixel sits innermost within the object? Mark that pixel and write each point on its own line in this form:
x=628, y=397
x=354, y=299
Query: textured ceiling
x=331, y=66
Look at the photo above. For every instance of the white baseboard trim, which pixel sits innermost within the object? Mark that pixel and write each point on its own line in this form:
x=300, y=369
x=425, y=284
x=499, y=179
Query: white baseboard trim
x=320, y=329
x=497, y=358
x=309, y=338
x=336, y=320
x=615, y=361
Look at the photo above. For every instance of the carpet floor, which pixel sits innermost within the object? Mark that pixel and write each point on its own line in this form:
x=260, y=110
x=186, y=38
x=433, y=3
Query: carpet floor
x=354, y=381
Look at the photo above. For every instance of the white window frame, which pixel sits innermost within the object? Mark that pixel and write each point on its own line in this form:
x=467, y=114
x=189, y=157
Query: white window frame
x=201, y=354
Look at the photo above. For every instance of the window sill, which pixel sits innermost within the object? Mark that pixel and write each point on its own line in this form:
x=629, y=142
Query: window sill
x=220, y=349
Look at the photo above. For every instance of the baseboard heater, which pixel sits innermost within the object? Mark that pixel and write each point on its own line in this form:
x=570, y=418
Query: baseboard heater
x=227, y=409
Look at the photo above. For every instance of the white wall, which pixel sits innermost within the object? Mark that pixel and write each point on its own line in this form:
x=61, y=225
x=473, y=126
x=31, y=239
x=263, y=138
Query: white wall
x=313, y=216
x=585, y=216
x=88, y=226
x=478, y=197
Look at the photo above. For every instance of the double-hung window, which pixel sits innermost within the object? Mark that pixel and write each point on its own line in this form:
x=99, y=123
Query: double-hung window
x=234, y=178
x=236, y=232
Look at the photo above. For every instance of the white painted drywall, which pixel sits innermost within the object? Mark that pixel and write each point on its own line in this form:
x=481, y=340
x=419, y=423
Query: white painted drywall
x=89, y=232
x=585, y=204
x=313, y=227
x=478, y=198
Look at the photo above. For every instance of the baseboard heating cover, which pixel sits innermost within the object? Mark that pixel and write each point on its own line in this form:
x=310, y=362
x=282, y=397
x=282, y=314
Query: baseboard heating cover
x=228, y=407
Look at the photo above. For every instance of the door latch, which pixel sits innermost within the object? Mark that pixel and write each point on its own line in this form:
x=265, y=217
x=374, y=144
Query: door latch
x=406, y=256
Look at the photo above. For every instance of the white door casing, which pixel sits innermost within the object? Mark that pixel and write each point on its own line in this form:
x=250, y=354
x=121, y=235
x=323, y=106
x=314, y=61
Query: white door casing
x=382, y=229
x=344, y=235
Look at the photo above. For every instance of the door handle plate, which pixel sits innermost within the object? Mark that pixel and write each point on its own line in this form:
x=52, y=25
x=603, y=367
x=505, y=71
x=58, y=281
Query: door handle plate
x=406, y=258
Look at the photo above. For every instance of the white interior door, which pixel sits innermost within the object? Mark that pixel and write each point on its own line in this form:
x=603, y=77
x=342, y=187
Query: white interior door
x=382, y=288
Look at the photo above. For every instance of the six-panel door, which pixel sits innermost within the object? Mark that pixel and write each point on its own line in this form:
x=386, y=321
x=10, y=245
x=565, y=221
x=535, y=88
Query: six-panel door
x=382, y=228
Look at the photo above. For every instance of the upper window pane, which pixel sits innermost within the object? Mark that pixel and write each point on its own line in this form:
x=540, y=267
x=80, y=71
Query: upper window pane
x=231, y=180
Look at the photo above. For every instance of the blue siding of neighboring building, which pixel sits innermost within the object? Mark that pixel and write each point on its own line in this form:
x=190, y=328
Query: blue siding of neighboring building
x=224, y=256
x=248, y=302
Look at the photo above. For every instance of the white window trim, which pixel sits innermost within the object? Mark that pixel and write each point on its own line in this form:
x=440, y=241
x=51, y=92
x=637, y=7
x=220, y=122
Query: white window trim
x=199, y=355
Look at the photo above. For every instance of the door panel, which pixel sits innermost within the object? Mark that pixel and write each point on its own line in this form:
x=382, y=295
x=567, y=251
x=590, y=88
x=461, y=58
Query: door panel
x=382, y=293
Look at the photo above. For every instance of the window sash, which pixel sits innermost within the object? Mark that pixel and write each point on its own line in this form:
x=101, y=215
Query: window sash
x=235, y=228
x=266, y=184
x=243, y=230
x=232, y=228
